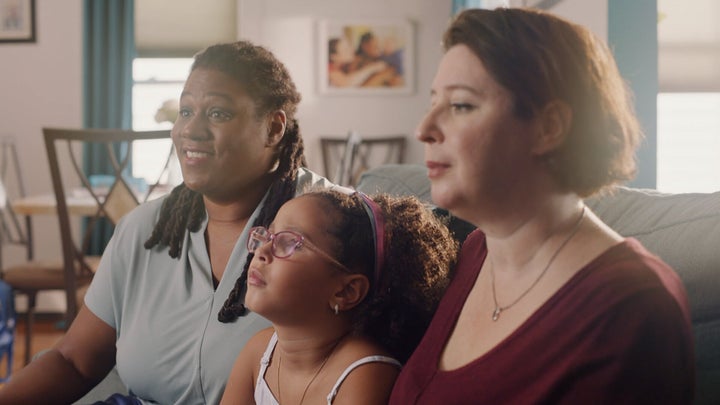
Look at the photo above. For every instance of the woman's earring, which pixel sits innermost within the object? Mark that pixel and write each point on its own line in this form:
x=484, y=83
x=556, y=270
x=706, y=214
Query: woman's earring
x=336, y=309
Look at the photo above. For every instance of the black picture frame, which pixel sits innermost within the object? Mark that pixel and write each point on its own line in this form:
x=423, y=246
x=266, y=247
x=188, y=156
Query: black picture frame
x=17, y=21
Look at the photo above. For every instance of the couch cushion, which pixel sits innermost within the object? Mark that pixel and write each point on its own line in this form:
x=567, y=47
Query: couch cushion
x=396, y=179
x=683, y=230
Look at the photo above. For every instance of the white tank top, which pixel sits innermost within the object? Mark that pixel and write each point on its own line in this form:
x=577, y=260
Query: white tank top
x=263, y=395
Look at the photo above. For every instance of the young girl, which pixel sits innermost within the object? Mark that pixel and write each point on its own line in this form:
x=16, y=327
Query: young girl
x=350, y=284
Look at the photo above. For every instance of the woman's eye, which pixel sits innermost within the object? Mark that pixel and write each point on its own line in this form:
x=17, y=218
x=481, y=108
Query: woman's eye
x=219, y=115
x=461, y=107
x=184, y=112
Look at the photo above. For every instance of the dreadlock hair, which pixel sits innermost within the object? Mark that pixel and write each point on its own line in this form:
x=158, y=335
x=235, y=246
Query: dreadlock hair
x=419, y=254
x=267, y=81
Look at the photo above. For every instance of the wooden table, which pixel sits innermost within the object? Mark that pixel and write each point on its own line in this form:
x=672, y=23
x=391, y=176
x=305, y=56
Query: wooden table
x=81, y=205
x=45, y=204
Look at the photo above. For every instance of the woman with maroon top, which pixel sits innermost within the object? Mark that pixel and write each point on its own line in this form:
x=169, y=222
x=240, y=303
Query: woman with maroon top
x=528, y=116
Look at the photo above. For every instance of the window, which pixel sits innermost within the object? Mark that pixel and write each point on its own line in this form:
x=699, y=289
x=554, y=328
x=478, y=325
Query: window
x=155, y=81
x=688, y=142
x=688, y=103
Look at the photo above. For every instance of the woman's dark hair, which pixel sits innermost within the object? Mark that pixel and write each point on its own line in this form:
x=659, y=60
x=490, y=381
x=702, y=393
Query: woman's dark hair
x=419, y=253
x=268, y=83
x=540, y=58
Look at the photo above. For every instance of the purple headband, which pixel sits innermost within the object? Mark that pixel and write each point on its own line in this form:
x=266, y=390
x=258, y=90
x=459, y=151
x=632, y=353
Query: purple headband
x=377, y=221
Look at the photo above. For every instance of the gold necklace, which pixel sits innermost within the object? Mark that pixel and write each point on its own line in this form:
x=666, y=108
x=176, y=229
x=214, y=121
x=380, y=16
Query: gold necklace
x=498, y=309
x=317, y=372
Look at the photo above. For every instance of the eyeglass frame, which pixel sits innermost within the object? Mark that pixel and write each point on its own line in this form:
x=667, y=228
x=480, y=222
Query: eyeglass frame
x=301, y=241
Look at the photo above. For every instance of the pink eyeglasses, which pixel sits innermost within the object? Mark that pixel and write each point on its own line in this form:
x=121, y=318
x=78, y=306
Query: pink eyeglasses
x=284, y=244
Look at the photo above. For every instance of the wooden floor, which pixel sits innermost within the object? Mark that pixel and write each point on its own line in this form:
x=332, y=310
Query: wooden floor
x=45, y=334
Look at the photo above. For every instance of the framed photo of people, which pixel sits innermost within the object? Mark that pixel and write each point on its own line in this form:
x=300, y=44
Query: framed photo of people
x=17, y=20
x=366, y=57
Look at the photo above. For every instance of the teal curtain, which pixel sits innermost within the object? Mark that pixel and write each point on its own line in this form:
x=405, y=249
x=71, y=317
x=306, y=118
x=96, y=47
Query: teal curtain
x=460, y=5
x=109, y=50
x=633, y=38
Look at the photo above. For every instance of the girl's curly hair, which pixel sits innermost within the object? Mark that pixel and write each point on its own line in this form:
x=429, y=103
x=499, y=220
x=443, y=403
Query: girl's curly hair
x=419, y=254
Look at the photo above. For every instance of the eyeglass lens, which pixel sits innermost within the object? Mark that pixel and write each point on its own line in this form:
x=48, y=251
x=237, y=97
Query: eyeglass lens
x=283, y=243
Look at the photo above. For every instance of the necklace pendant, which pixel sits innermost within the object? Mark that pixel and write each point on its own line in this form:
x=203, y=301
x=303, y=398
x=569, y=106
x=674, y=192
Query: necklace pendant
x=496, y=314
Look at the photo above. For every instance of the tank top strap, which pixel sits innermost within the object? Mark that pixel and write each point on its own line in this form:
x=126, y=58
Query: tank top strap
x=263, y=395
x=353, y=366
x=265, y=360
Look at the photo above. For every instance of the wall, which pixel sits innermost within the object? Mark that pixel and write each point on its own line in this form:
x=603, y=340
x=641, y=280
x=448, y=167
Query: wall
x=288, y=28
x=41, y=85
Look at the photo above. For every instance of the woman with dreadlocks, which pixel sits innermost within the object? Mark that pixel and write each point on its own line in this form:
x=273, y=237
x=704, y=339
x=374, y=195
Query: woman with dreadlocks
x=350, y=283
x=157, y=306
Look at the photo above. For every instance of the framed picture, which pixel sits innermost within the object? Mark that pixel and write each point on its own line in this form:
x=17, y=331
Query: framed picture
x=17, y=20
x=366, y=57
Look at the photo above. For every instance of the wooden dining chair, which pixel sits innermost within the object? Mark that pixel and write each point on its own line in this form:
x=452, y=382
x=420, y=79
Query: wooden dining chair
x=345, y=159
x=26, y=276
x=110, y=194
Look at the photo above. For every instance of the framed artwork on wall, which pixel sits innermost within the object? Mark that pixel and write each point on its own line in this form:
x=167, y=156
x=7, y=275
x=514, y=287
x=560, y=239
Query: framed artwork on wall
x=17, y=20
x=366, y=57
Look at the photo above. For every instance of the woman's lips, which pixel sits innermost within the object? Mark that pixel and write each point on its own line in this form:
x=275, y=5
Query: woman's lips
x=192, y=156
x=436, y=169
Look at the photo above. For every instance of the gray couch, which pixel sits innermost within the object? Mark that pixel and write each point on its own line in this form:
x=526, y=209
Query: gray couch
x=683, y=229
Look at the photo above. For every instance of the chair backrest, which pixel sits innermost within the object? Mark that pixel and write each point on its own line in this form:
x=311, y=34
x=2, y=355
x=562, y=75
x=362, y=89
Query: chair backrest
x=345, y=159
x=14, y=229
x=100, y=196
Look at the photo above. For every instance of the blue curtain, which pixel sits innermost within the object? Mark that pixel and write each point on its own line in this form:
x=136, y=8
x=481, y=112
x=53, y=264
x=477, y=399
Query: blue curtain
x=632, y=35
x=109, y=50
x=460, y=5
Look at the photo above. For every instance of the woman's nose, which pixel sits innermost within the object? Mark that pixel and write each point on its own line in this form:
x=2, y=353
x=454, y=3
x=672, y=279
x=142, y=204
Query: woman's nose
x=427, y=130
x=193, y=127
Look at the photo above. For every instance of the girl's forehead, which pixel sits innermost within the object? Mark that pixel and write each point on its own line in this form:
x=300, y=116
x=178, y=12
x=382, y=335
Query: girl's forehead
x=308, y=215
x=305, y=209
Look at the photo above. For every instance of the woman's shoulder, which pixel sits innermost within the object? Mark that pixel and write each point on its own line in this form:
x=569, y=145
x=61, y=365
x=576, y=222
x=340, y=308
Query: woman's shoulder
x=139, y=222
x=309, y=180
x=144, y=215
x=627, y=278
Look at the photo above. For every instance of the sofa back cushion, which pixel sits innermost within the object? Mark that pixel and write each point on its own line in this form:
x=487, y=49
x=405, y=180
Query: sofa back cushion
x=684, y=231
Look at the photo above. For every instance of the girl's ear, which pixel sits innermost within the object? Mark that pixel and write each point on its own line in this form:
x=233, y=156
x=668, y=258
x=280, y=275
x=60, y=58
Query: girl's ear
x=352, y=292
x=554, y=123
x=276, y=127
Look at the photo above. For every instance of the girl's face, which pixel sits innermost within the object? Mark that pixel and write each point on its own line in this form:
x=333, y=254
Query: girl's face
x=476, y=149
x=300, y=286
x=223, y=147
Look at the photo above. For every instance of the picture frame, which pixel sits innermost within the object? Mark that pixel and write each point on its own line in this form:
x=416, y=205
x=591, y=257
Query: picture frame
x=371, y=57
x=17, y=21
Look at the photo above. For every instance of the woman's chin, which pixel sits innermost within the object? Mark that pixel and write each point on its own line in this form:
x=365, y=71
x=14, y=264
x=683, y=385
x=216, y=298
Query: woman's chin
x=442, y=196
